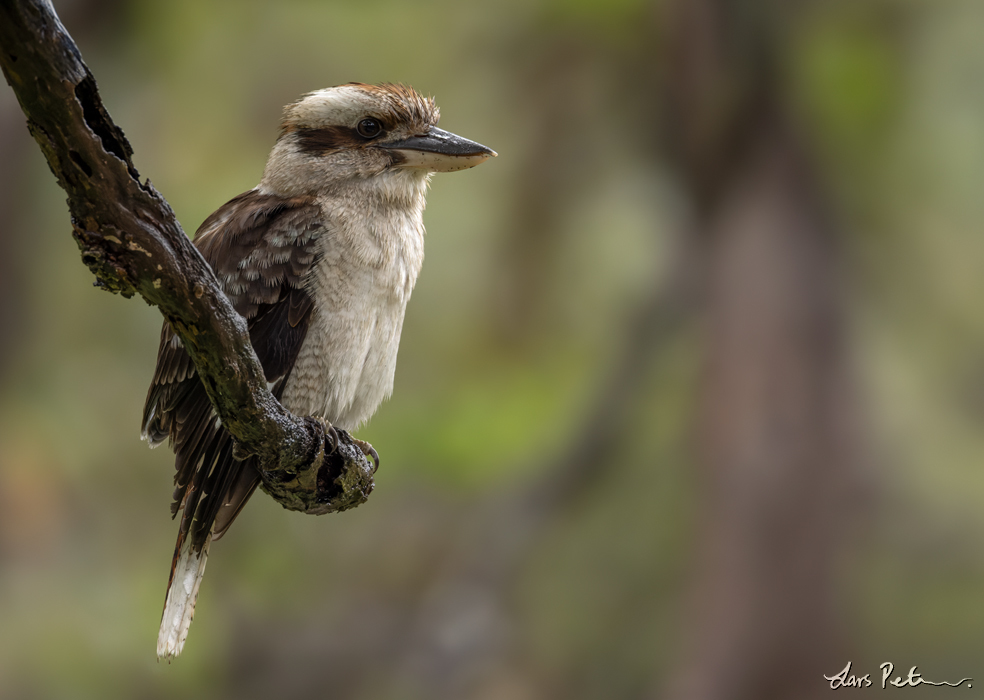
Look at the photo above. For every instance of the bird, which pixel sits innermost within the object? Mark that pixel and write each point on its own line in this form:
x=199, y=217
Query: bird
x=320, y=258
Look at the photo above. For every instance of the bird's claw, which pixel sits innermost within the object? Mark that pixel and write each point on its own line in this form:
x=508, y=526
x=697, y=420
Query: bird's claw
x=369, y=451
x=335, y=435
x=330, y=433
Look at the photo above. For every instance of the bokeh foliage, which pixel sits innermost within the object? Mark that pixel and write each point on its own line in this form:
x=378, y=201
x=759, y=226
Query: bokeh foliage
x=582, y=214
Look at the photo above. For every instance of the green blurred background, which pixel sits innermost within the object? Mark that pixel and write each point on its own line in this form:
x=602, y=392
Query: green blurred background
x=553, y=511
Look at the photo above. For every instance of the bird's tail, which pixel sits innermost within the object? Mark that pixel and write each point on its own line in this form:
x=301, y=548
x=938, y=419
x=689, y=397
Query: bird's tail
x=187, y=570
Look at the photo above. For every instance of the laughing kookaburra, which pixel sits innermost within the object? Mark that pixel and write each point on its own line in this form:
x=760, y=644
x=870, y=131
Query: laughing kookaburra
x=320, y=258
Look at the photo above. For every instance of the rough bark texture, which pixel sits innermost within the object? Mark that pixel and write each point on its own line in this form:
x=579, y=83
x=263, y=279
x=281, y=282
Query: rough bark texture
x=132, y=242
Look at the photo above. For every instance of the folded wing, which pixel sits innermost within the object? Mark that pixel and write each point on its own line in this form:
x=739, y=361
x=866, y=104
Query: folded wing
x=261, y=248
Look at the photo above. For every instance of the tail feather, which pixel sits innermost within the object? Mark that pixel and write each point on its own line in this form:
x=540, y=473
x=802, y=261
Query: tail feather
x=182, y=592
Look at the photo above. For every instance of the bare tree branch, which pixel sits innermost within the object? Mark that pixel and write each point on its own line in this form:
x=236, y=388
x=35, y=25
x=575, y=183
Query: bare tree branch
x=132, y=242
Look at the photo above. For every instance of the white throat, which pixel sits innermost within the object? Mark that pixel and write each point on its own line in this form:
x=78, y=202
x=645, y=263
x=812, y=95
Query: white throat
x=370, y=255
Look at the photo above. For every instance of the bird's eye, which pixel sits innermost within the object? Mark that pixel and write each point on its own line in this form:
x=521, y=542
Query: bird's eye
x=369, y=128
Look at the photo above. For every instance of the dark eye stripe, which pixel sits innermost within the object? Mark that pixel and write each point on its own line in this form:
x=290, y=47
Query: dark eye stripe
x=328, y=138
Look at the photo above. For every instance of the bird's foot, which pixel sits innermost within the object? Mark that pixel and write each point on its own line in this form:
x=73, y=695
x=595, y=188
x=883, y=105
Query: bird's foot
x=331, y=433
x=335, y=434
x=369, y=451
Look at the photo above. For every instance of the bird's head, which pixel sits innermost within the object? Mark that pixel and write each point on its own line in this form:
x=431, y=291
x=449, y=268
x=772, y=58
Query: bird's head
x=356, y=132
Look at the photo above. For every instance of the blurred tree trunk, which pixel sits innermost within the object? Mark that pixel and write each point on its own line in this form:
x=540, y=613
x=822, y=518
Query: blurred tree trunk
x=776, y=425
x=558, y=83
x=549, y=173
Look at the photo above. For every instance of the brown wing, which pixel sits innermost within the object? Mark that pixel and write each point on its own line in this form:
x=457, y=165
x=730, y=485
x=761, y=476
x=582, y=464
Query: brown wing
x=261, y=248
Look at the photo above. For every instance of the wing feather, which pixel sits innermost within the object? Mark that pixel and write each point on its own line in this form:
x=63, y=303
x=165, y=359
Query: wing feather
x=261, y=248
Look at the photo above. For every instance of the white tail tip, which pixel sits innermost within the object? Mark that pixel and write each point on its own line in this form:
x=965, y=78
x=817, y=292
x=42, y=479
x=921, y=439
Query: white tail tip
x=179, y=608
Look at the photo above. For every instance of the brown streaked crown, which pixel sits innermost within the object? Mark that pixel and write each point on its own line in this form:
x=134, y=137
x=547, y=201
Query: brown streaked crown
x=406, y=104
x=344, y=105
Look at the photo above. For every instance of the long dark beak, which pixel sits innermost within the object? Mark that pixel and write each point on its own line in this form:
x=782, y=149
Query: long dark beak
x=439, y=151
